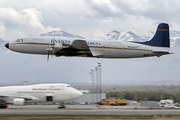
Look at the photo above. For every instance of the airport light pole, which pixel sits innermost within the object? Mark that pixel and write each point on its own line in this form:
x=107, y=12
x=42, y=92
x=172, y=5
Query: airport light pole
x=100, y=81
x=92, y=80
x=96, y=68
x=97, y=82
x=91, y=86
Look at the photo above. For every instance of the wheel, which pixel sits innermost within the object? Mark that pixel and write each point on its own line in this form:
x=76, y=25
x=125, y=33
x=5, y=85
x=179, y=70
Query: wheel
x=62, y=106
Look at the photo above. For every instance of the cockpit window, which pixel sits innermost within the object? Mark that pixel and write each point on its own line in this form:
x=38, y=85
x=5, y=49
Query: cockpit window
x=68, y=86
x=19, y=40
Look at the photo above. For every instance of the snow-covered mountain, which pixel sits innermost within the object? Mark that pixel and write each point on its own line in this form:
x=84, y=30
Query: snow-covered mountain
x=174, y=36
x=174, y=33
x=128, y=36
x=61, y=34
x=114, y=35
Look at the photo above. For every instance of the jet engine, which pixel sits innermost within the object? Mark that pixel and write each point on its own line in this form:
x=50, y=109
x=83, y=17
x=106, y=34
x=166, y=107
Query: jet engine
x=18, y=102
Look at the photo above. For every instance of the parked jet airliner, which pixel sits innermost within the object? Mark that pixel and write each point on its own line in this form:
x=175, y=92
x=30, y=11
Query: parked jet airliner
x=19, y=95
x=159, y=45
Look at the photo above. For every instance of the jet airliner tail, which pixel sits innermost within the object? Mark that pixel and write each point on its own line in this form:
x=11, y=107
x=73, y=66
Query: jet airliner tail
x=161, y=37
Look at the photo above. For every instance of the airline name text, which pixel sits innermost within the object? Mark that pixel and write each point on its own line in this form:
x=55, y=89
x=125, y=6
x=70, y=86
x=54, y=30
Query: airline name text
x=69, y=42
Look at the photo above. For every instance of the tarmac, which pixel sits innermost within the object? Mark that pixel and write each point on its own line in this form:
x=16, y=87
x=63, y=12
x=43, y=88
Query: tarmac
x=85, y=110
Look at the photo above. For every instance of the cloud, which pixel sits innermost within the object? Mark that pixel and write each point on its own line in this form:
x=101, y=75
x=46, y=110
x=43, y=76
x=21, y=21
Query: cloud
x=115, y=8
x=2, y=29
x=163, y=10
x=133, y=15
x=123, y=9
x=101, y=10
x=59, y=13
x=32, y=17
x=22, y=22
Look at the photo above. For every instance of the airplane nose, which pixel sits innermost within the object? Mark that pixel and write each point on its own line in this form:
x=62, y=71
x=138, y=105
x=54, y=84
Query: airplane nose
x=78, y=94
x=7, y=45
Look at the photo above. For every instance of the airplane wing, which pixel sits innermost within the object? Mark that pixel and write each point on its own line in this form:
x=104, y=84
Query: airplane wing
x=7, y=96
x=162, y=52
x=83, y=46
x=80, y=44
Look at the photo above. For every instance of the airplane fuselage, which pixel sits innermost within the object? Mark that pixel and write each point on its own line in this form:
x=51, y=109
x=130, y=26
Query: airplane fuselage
x=97, y=48
x=40, y=93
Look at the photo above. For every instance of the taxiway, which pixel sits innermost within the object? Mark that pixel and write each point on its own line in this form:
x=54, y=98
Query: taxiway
x=84, y=110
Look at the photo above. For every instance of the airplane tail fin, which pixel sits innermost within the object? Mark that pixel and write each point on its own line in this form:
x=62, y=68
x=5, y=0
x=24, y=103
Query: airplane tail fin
x=161, y=37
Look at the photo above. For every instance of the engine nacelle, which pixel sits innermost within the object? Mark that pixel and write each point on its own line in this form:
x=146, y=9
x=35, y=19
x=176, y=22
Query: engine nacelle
x=18, y=102
x=58, y=46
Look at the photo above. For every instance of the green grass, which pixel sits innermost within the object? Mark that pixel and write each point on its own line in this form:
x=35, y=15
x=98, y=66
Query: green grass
x=87, y=117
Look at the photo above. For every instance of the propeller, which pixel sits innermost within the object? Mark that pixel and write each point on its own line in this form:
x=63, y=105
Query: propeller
x=49, y=49
x=55, y=47
x=48, y=56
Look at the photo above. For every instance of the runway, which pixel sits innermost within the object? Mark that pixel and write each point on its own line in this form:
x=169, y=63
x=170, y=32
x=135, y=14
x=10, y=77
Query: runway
x=83, y=110
x=88, y=112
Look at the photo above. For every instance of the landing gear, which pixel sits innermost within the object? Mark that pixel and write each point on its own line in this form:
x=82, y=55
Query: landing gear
x=62, y=105
x=3, y=106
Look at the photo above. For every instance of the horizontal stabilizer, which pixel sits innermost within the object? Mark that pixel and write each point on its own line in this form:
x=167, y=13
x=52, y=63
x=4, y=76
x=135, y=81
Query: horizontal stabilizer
x=163, y=52
x=96, y=52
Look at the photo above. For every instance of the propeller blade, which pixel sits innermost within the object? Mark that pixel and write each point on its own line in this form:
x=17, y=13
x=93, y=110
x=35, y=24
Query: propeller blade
x=53, y=46
x=48, y=56
x=54, y=41
x=48, y=51
x=53, y=52
x=49, y=44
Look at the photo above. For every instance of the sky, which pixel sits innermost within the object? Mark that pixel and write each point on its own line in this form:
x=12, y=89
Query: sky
x=90, y=19
x=87, y=18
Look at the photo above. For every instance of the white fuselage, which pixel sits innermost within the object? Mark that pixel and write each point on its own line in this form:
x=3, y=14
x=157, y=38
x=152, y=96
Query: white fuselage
x=98, y=48
x=40, y=92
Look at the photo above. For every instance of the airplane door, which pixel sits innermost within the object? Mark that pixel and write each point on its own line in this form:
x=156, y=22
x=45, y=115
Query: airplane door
x=106, y=47
x=106, y=43
x=49, y=98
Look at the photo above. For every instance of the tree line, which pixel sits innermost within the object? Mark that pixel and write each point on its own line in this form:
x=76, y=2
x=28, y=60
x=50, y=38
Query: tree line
x=145, y=95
